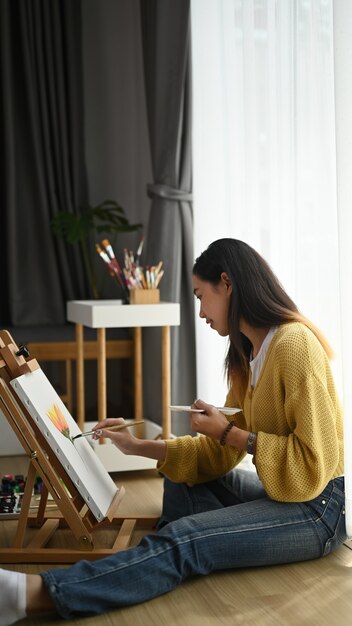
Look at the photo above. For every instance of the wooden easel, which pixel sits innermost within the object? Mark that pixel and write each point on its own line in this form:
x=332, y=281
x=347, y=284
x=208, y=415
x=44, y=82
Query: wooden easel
x=72, y=510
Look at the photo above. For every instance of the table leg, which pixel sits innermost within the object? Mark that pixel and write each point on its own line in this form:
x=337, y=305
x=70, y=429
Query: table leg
x=166, y=381
x=80, y=376
x=138, y=379
x=68, y=367
x=101, y=374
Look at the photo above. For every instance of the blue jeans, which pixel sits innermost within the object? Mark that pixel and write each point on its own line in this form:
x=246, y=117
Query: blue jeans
x=225, y=524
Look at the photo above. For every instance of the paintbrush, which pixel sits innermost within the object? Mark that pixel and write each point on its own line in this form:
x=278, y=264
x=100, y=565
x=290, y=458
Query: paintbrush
x=117, y=427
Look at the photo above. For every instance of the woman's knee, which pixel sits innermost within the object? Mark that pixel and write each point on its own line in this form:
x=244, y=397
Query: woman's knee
x=176, y=502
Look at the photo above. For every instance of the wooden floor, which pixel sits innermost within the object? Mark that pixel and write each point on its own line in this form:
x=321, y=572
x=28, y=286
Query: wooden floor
x=316, y=593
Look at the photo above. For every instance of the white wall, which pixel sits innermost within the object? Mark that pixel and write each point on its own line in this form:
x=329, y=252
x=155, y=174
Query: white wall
x=343, y=108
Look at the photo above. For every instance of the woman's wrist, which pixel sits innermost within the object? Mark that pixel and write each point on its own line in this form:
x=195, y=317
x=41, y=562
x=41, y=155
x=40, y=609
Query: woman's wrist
x=238, y=438
x=225, y=432
x=150, y=448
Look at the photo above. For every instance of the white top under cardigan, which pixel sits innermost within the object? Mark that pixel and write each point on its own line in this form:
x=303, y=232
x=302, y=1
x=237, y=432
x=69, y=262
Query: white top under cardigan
x=257, y=363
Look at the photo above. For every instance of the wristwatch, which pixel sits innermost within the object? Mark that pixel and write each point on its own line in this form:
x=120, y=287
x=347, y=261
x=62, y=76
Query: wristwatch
x=251, y=442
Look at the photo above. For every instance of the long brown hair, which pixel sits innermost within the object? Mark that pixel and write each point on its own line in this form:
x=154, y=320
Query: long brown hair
x=257, y=297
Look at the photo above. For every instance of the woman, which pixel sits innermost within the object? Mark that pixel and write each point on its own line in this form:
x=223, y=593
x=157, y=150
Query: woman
x=214, y=516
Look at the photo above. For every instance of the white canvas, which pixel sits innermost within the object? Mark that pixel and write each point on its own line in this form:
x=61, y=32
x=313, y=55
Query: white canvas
x=78, y=459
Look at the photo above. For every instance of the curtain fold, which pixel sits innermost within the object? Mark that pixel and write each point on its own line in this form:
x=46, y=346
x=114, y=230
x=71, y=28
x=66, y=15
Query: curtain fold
x=42, y=149
x=166, y=55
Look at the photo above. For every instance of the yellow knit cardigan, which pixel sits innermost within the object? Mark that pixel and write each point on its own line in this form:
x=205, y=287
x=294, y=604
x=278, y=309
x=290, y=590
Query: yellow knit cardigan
x=296, y=412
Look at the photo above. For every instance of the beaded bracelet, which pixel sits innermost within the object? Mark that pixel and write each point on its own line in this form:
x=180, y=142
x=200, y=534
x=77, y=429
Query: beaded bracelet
x=226, y=431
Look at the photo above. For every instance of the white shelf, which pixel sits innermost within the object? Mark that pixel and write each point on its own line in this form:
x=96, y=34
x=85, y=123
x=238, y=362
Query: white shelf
x=100, y=314
x=113, y=314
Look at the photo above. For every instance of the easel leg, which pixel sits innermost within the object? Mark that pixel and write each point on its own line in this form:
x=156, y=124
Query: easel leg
x=42, y=505
x=26, y=502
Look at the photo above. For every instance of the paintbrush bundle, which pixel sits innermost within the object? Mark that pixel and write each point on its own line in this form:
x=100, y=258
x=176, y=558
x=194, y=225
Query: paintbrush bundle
x=132, y=276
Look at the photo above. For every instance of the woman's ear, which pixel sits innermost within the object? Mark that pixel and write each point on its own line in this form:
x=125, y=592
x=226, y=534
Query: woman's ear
x=224, y=277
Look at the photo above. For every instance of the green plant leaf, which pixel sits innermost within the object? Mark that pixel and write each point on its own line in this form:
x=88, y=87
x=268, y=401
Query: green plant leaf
x=106, y=217
x=72, y=228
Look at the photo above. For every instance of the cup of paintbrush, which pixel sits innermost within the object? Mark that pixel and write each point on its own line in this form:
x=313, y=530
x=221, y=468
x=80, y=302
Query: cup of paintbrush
x=98, y=431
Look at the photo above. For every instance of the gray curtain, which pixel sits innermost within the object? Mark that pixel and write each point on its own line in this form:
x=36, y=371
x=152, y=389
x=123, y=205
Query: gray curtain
x=42, y=156
x=166, y=55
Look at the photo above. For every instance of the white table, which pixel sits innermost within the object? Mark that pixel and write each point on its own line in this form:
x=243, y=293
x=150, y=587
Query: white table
x=102, y=314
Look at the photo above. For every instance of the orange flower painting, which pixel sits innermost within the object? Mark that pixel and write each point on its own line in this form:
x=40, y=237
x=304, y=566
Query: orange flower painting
x=58, y=419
